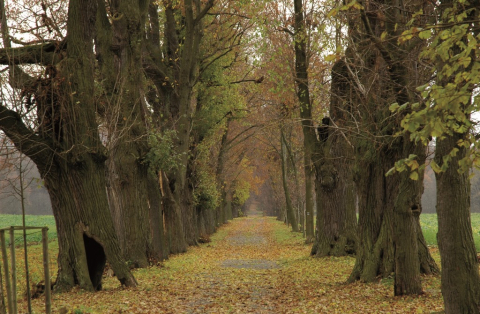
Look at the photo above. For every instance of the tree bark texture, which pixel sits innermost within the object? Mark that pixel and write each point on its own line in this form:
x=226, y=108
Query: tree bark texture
x=309, y=138
x=459, y=266
x=3, y=307
x=336, y=215
x=387, y=205
x=336, y=197
x=157, y=228
x=290, y=211
x=406, y=209
x=71, y=159
x=176, y=59
x=119, y=51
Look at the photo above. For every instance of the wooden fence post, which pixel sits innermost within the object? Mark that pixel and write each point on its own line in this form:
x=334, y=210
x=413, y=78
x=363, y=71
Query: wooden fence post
x=48, y=298
x=3, y=310
x=14, y=269
x=5, y=267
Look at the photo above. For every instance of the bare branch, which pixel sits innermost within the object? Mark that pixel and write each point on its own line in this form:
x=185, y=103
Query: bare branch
x=39, y=150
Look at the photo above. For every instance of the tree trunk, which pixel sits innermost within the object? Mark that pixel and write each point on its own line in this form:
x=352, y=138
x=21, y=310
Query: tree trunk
x=123, y=80
x=290, y=212
x=336, y=217
x=336, y=201
x=157, y=229
x=175, y=236
x=375, y=254
x=460, y=277
x=309, y=138
x=406, y=209
x=70, y=157
x=172, y=64
x=228, y=206
x=459, y=266
x=388, y=206
x=85, y=229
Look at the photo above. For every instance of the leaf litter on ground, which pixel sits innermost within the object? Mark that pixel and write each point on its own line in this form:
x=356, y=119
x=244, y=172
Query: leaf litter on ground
x=253, y=265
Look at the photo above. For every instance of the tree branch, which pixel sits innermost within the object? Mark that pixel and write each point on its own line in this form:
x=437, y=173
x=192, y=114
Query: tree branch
x=25, y=140
x=45, y=54
x=204, y=11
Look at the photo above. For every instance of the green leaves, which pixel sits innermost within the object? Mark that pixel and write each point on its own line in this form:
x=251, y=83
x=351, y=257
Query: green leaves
x=425, y=34
x=408, y=164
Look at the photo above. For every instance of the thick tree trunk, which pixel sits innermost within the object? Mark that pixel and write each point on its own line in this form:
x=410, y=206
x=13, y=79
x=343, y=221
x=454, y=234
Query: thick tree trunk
x=460, y=277
x=375, y=254
x=388, y=206
x=128, y=199
x=388, y=213
x=459, y=266
x=290, y=212
x=122, y=73
x=336, y=201
x=309, y=138
x=177, y=61
x=406, y=209
x=70, y=157
x=175, y=236
x=157, y=229
x=77, y=184
x=336, y=217
x=85, y=229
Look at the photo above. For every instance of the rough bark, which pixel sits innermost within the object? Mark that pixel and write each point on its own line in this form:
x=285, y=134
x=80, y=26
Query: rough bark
x=460, y=280
x=388, y=206
x=70, y=157
x=301, y=81
x=177, y=61
x=406, y=209
x=336, y=216
x=157, y=229
x=290, y=211
x=119, y=46
x=336, y=201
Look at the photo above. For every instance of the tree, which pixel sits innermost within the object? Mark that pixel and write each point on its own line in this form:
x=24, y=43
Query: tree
x=119, y=45
x=336, y=198
x=450, y=99
x=283, y=153
x=386, y=204
x=303, y=93
x=66, y=147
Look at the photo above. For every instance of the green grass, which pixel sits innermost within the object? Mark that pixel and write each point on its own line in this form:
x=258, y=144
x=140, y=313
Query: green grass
x=284, y=235
x=430, y=228
x=428, y=222
x=32, y=221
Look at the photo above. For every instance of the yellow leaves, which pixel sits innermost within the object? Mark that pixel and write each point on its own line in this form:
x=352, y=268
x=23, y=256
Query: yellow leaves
x=331, y=57
x=203, y=281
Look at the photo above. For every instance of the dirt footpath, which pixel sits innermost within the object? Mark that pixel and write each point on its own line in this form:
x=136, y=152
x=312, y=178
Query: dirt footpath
x=244, y=277
x=252, y=265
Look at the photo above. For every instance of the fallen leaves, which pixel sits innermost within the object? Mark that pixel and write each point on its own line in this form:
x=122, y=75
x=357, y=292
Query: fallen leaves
x=252, y=265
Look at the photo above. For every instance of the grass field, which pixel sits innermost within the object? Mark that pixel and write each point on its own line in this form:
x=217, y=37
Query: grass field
x=428, y=222
x=430, y=228
x=32, y=221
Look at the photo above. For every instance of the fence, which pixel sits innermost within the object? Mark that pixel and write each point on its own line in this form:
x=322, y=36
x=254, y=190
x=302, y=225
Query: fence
x=11, y=274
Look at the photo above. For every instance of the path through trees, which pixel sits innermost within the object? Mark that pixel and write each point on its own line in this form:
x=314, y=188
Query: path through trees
x=253, y=265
